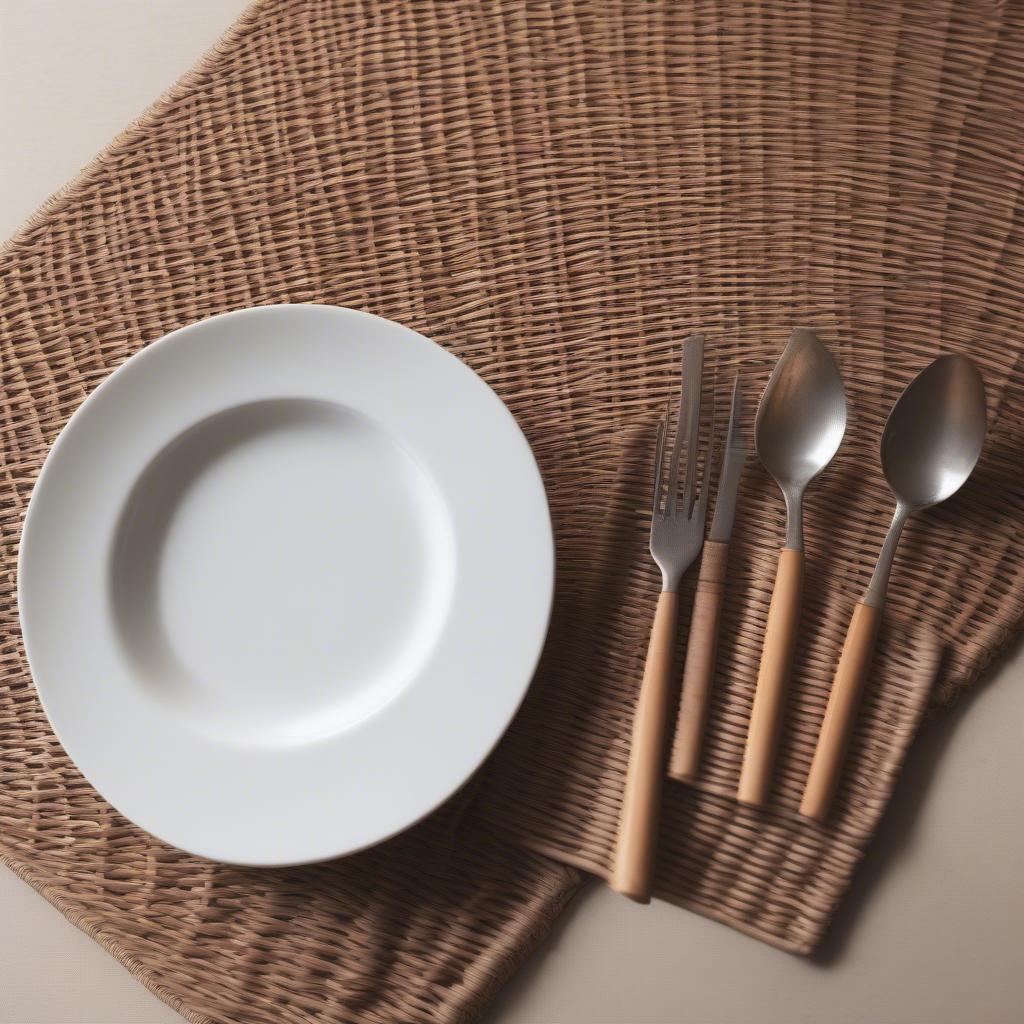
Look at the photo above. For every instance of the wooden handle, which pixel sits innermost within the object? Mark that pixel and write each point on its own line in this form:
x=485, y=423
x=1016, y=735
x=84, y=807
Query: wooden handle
x=701, y=646
x=641, y=801
x=843, y=701
x=772, y=677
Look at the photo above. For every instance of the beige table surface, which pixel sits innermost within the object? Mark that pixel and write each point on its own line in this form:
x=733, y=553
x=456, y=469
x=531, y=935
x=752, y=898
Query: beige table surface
x=934, y=931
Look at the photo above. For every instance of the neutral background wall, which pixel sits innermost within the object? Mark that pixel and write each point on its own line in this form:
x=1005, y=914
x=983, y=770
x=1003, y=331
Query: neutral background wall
x=933, y=932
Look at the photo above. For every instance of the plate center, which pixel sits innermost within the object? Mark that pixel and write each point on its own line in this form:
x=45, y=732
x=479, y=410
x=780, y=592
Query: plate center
x=280, y=571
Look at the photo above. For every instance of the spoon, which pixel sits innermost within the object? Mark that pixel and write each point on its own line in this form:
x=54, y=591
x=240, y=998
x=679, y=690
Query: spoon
x=799, y=424
x=930, y=445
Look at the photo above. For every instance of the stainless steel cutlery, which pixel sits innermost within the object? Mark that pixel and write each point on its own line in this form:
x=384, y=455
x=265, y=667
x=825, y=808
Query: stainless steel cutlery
x=800, y=423
x=677, y=534
x=702, y=641
x=931, y=443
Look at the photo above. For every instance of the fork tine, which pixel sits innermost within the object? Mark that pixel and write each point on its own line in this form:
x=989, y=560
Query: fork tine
x=677, y=448
x=659, y=458
x=693, y=362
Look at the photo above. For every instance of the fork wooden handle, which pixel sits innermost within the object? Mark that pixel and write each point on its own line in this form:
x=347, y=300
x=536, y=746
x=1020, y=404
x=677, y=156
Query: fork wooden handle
x=772, y=678
x=641, y=801
x=841, y=712
x=699, y=670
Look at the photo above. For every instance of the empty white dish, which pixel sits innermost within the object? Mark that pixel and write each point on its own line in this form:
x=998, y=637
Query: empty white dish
x=284, y=580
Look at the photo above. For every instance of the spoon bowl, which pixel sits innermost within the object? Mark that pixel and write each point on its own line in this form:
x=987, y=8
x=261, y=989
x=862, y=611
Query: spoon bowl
x=800, y=421
x=935, y=432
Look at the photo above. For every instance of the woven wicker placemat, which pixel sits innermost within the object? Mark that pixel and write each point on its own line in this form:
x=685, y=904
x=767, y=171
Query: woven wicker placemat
x=557, y=193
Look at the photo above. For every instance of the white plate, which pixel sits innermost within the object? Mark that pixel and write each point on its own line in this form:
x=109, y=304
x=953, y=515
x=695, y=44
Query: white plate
x=284, y=580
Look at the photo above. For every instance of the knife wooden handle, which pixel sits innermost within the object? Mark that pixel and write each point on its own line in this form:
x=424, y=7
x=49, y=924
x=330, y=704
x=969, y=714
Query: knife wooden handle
x=641, y=801
x=699, y=670
x=772, y=678
x=841, y=712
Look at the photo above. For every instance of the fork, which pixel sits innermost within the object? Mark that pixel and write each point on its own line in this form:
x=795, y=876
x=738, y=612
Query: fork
x=677, y=535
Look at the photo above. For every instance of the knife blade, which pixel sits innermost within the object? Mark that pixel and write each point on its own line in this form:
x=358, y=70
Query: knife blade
x=736, y=451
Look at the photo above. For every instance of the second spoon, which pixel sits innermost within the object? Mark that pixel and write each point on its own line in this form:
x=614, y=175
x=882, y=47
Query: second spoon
x=930, y=445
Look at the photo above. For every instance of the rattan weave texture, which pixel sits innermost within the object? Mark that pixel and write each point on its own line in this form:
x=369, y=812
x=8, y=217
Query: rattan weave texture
x=557, y=192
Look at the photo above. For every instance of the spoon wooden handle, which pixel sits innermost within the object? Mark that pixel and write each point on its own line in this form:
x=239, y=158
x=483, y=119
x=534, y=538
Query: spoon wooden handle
x=641, y=801
x=701, y=647
x=773, y=675
x=841, y=712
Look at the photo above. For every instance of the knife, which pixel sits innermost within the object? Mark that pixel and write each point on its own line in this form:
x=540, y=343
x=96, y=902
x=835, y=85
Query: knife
x=702, y=643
